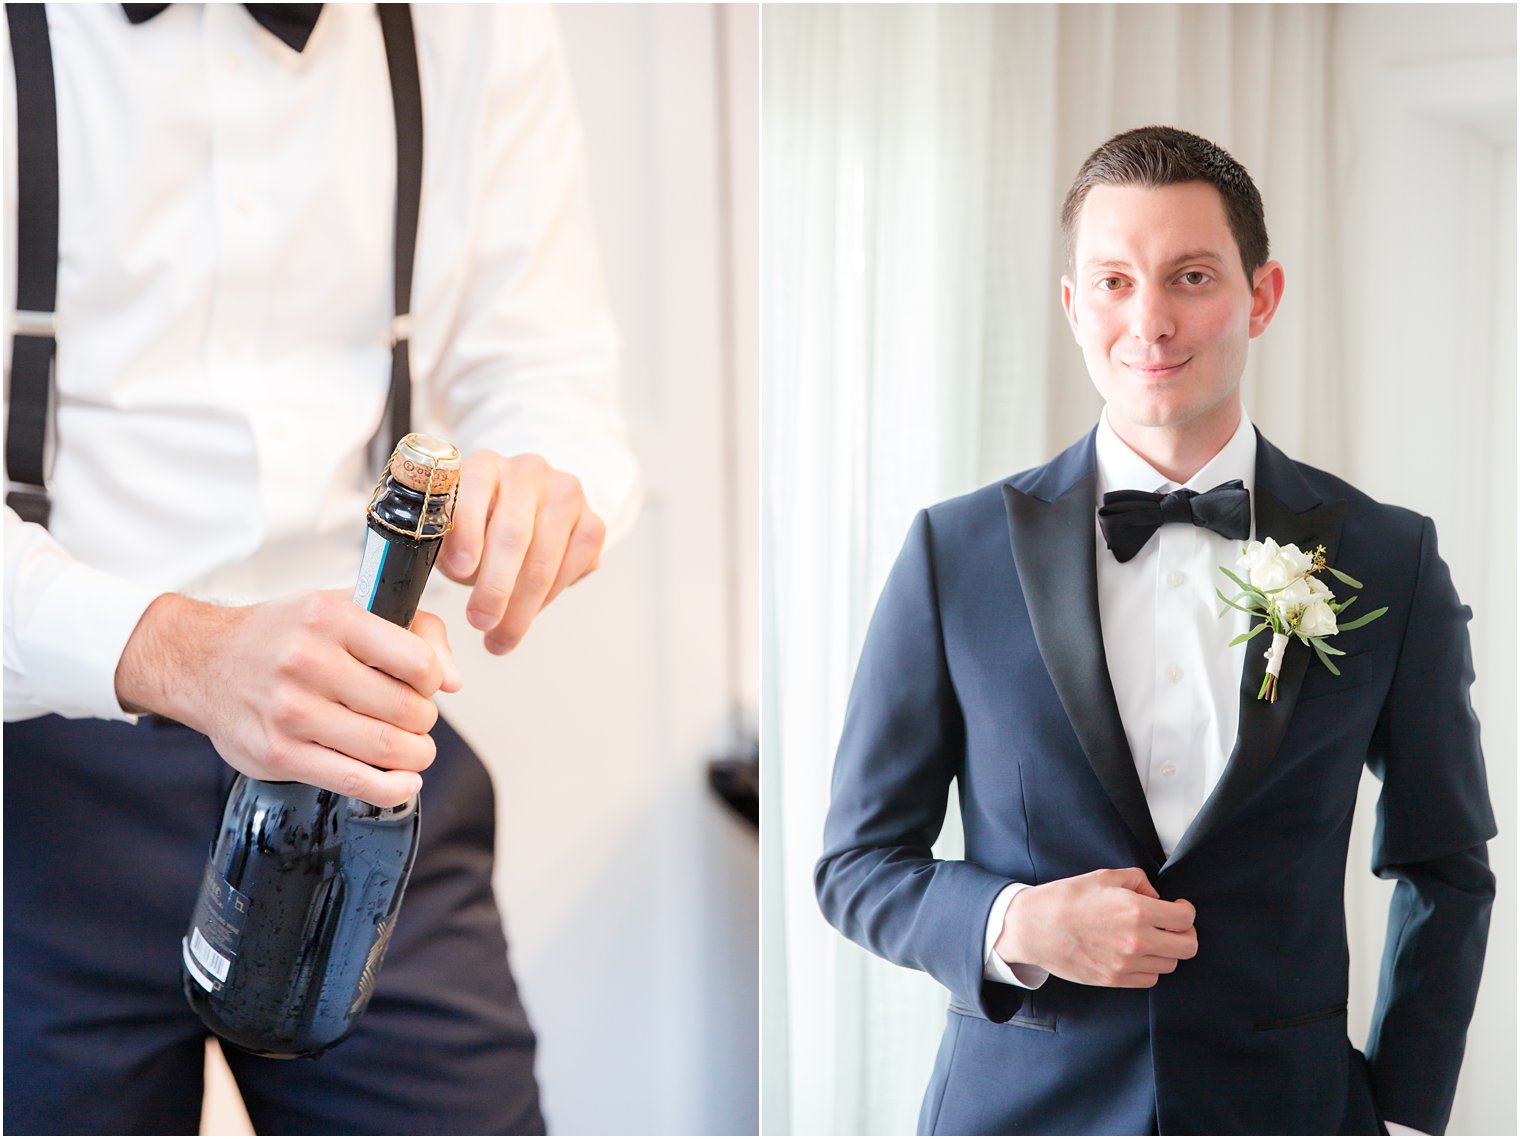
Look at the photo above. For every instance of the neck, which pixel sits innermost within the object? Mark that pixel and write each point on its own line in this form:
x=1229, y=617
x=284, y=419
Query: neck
x=1179, y=452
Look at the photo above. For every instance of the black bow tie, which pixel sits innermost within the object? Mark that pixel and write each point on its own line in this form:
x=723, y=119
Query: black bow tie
x=292, y=23
x=1129, y=517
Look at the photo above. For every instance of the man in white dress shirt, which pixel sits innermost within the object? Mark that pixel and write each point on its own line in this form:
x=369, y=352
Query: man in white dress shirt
x=1147, y=932
x=224, y=327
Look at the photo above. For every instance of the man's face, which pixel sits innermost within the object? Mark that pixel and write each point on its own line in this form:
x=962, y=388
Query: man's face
x=1159, y=302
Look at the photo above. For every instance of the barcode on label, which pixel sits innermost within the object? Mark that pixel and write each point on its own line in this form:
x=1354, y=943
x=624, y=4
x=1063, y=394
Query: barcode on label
x=210, y=960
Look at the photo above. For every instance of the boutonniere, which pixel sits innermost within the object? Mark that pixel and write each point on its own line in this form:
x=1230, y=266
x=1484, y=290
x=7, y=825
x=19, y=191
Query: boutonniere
x=1285, y=594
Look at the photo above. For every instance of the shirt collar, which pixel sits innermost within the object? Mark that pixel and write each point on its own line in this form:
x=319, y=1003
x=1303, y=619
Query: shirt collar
x=1119, y=468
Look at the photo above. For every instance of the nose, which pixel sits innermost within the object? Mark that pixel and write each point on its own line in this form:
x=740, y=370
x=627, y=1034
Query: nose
x=1150, y=315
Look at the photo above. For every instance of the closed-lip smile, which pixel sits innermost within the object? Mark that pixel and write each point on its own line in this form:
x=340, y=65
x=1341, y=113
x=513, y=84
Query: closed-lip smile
x=1153, y=371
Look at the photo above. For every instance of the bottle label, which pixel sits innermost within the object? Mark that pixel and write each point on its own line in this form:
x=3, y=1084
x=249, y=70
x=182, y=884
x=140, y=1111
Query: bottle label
x=215, y=931
x=375, y=549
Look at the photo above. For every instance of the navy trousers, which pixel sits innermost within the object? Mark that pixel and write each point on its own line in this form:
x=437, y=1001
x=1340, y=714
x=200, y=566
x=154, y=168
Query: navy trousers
x=107, y=826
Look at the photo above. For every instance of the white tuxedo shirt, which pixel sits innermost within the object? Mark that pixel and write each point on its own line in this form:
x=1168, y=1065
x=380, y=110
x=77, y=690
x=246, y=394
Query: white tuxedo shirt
x=224, y=307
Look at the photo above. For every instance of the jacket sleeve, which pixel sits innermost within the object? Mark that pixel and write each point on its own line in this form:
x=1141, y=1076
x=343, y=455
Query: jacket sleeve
x=878, y=882
x=1433, y=820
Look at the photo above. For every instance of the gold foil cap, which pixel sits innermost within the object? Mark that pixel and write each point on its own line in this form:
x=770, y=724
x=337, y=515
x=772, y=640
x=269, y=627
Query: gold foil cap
x=426, y=464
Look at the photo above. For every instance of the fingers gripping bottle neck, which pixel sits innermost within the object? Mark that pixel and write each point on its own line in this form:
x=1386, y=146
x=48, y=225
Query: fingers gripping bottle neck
x=303, y=887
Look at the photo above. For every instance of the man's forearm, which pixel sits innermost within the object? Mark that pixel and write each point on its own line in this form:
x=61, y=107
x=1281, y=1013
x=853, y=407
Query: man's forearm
x=164, y=666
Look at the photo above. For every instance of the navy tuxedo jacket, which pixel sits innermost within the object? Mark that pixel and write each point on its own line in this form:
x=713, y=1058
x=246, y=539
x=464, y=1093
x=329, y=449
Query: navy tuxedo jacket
x=984, y=664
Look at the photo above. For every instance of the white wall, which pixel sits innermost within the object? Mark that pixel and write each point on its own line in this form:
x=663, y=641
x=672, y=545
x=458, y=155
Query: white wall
x=629, y=891
x=1427, y=249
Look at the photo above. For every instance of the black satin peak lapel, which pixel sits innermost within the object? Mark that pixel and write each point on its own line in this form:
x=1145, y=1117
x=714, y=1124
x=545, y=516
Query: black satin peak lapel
x=1263, y=723
x=1054, y=550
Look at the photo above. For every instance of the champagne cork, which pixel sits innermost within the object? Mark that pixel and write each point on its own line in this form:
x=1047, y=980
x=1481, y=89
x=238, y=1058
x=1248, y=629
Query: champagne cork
x=420, y=458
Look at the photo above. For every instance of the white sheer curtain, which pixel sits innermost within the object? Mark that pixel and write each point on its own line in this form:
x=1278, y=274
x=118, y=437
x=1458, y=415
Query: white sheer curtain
x=914, y=160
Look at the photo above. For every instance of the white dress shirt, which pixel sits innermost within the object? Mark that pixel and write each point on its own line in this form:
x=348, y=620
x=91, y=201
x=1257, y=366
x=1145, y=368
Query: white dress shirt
x=224, y=307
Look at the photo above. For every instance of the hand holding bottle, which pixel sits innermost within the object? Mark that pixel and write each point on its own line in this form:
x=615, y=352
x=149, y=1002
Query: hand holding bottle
x=308, y=688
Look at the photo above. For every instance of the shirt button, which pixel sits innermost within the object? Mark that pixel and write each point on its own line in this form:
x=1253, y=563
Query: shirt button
x=1168, y=770
x=1174, y=674
x=1175, y=578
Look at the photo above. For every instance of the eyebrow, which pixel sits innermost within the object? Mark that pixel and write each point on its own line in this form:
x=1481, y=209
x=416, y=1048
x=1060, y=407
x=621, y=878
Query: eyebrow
x=1192, y=255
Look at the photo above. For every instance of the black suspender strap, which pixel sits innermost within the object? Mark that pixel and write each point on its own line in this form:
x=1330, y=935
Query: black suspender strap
x=406, y=95
x=37, y=245
x=36, y=262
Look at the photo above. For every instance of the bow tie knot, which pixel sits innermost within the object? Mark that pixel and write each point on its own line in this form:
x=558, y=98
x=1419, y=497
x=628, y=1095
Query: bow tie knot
x=1177, y=506
x=1128, y=518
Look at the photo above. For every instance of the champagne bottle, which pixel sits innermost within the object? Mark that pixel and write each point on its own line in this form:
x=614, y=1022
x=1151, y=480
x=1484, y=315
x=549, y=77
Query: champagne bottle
x=303, y=886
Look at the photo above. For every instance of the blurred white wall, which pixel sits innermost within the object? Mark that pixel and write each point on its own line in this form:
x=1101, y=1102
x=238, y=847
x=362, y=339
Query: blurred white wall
x=628, y=889
x=1426, y=242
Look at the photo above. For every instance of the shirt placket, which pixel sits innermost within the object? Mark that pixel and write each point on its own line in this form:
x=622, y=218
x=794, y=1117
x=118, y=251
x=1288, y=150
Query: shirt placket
x=242, y=221
x=1178, y=741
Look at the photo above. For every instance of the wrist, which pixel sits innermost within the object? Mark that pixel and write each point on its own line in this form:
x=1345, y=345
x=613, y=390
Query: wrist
x=161, y=662
x=1012, y=944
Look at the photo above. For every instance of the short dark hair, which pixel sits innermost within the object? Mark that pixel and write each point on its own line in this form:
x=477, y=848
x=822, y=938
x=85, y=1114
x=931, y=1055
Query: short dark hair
x=1152, y=157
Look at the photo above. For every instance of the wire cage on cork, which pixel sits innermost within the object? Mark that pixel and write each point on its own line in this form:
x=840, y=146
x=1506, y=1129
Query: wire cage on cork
x=426, y=465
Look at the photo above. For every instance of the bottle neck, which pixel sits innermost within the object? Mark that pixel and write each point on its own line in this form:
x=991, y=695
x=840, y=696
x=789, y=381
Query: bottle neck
x=412, y=512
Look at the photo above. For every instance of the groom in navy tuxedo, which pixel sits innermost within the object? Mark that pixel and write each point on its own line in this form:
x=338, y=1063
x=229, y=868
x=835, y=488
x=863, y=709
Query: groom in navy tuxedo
x=1147, y=934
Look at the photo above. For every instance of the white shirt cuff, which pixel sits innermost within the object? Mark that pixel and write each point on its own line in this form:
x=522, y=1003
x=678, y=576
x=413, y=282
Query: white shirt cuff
x=994, y=968
x=1400, y=1129
x=66, y=624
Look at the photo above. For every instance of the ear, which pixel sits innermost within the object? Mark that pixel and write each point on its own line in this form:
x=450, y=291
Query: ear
x=1266, y=295
x=1068, y=288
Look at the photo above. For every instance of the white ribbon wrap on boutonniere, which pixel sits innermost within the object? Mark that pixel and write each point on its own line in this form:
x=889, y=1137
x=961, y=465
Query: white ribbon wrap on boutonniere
x=1275, y=654
x=1282, y=591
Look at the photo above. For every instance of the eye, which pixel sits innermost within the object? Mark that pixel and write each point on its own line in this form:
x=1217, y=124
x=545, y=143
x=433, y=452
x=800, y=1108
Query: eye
x=1196, y=277
x=1109, y=284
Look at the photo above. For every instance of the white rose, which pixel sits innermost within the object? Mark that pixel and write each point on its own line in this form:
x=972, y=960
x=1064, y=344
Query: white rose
x=1257, y=554
x=1259, y=561
x=1273, y=566
x=1274, y=575
x=1293, y=597
x=1296, y=558
x=1318, y=620
x=1319, y=589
